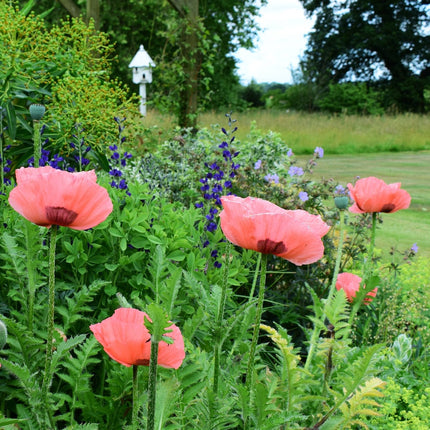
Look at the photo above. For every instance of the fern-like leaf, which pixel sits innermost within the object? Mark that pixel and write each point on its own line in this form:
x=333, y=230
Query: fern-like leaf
x=360, y=404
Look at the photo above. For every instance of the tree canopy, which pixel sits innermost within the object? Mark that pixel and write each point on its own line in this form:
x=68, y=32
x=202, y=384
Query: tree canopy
x=377, y=41
x=191, y=42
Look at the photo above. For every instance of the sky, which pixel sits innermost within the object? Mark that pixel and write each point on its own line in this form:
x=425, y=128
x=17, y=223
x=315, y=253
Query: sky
x=281, y=42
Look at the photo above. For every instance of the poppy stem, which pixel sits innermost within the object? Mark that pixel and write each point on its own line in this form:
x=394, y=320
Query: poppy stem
x=367, y=268
x=317, y=329
x=31, y=275
x=135, y=398
x=51, y=308
x=36, y=139
x=152, y=383
x=251, y=359
x=220, y=316
x=254, y=281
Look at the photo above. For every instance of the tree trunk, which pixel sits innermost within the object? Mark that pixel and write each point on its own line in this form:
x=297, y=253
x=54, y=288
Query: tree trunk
x=189, y=10
x=93, y=12
x=71, y=7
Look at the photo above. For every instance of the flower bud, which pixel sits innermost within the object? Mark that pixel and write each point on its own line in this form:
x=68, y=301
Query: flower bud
x=37, y=111
x=3, y=334
x=341, y=202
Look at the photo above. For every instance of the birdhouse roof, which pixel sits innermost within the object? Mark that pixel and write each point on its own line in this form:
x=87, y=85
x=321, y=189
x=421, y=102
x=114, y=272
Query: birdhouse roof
x=141, y=59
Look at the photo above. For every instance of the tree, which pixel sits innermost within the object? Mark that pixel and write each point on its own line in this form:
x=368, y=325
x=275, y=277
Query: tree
x=378, y=41
x=191, y=42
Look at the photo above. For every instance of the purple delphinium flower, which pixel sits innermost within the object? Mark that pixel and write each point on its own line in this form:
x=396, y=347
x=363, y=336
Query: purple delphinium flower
x=273, y=179
x=215, y=184
x=303, y=196
x=119, y=159
x=295, y=171
x=319, y=152
x=257, y=164
x=414, y=248
x=290, y=153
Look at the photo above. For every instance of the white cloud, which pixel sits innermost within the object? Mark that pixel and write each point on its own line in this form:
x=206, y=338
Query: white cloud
x=280, y=43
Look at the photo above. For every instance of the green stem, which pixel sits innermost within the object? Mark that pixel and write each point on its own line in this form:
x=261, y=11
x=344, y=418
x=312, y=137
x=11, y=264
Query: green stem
x=316, y=331
x=51, y=309
x=220, y=316
x=31, y=276
x=134, y=419
x=152, y=384
x=254, y=281
x=36, y=139
x=1, y=157
x=367, y=268
x=251, y=359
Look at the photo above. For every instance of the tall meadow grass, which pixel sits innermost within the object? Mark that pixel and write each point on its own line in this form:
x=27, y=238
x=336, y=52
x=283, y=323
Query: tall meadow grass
x=336, y=134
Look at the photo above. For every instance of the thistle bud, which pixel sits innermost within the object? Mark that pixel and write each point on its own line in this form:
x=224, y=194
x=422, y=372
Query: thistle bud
x=37, y=111
x=341, y=202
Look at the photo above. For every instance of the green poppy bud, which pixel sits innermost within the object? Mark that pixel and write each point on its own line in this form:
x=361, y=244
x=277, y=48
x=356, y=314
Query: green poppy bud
x=3, y=334
x=37, y=111
x=341, y=202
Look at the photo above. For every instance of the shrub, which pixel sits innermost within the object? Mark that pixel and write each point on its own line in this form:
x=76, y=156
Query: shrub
x=350, y=98
x=67, y=69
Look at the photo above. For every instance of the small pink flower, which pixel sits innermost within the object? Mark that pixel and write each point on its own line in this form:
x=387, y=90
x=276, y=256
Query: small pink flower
x=125, y=338
x=350, y=283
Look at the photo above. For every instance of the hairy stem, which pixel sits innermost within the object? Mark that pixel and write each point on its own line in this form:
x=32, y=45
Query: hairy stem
x=251, y=359
x=220, y=316
x=367, y=269
x=51, y=309
x=36, y=139
x=316, y=331
x=134, y=419
x=31, y=275
x=152, y=383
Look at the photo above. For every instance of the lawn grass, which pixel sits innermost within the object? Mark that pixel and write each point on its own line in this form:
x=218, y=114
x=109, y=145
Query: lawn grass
x=403, y=228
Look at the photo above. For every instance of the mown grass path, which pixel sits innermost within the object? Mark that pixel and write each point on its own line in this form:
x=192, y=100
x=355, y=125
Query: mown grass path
x=403, y=228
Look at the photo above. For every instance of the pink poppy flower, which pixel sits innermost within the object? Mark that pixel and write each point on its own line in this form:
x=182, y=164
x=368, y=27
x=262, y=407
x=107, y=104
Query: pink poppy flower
x=125, y=338
x=47, y=196
x=350, y=283
x=374, y=195
x=262, y=226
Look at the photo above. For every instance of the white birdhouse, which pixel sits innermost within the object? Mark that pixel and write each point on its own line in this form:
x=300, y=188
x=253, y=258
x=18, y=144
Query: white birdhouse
x=142, y=65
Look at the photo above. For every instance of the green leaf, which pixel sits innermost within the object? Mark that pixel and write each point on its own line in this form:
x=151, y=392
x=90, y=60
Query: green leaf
x=11, y=120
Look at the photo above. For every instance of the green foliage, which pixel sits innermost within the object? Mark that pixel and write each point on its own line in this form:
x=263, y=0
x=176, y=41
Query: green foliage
x=405, y=308
x=67, y=68
x=351, y=98
x=402, y=408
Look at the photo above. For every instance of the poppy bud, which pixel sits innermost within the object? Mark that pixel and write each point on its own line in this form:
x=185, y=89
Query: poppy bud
x=37, y=111
x=341, y=202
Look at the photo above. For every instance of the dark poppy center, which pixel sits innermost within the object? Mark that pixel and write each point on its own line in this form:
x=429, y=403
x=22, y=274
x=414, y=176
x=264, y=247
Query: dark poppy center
x=268, y=246
x=388, y=207
x=143, y=362
x=60, y=216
